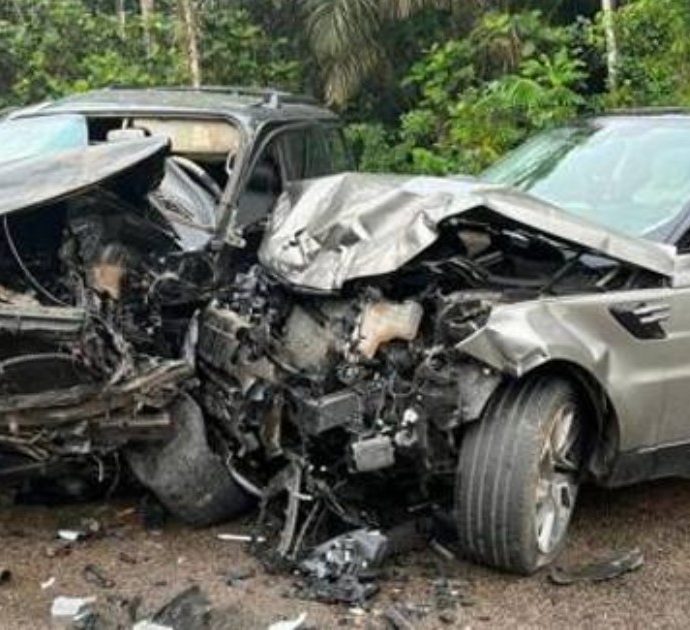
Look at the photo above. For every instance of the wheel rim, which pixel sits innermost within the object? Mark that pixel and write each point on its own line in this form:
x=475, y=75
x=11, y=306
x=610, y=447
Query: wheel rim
x=558, y=479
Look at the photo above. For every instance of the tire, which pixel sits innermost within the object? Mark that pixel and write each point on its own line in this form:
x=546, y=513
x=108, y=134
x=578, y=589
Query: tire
x=518, y=475
x=186, y=476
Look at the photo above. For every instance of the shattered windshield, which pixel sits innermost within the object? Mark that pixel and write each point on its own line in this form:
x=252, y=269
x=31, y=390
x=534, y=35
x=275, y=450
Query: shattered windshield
x=30, y=137
x=629, y=175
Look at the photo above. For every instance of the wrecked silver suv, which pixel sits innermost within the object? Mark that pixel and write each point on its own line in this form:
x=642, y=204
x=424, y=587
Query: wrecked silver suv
x=405, y=340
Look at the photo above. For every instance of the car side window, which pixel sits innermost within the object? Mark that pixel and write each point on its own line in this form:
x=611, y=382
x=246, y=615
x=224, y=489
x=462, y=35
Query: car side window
x=303, y=153
x=341, y=159
x=313, y=152
x=294, y=146
x=262, y=190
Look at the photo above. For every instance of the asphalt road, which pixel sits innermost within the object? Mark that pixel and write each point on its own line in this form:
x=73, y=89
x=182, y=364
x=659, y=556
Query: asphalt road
x=156, y=566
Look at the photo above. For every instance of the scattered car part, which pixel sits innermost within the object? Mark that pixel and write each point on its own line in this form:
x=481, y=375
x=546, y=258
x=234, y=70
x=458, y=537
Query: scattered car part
x=241, y=538
x=290, y=624
x=70, y=609
x=342, y=569
x=94, y=575
x=615, y=565
x=189, y=610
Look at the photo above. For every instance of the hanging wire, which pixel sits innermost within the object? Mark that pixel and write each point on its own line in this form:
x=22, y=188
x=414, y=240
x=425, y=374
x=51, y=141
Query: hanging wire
x=29, y=276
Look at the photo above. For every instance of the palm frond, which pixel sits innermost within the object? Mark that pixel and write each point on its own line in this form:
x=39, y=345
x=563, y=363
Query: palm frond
x=403, y=9
x=342, y=34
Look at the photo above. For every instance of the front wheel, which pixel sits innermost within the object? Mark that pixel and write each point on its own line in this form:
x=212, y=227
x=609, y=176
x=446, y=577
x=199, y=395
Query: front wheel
x=518, y=475
x=186, y=476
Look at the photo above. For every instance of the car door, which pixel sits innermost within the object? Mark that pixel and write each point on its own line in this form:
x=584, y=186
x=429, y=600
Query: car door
x=673, y=314
x=291, y=153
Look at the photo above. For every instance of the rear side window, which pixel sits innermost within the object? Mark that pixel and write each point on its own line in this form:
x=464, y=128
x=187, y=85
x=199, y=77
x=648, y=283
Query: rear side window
x=313, y=152
x=341, y=159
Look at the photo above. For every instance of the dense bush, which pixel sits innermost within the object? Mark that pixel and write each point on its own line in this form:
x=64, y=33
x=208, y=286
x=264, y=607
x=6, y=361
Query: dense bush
x=54, y=47
x=479, y=95
x=450, y=86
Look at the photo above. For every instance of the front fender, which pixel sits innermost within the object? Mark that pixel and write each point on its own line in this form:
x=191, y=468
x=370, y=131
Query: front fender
x=580, y=330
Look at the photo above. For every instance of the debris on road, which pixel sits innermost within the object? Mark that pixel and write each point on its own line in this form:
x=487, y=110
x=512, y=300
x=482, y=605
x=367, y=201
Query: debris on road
x=65, y=609
x=241, y=538
x=94, y=575
x=291, y=624
x=71, y=535
x=189, y=610
x=48, y=583
x=343, y=569
x=150, y=625
x=238, y=576
x=127, y=558
x=612, y=567
x=5, y=576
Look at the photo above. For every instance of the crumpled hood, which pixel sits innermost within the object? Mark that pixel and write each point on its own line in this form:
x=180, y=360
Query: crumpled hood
x=37, y=181
x=327, y=231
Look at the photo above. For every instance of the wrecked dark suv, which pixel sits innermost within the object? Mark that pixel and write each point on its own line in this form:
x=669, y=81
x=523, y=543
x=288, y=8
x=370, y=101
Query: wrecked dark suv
x=113, y=213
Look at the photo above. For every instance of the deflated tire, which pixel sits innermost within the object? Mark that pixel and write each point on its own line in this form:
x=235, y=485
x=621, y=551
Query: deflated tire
x=186, y=475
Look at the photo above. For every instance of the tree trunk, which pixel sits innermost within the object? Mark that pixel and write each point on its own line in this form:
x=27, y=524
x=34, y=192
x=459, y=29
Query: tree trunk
x=191, y=36
x=612, y=52
x=147, y=8
x=121, y=17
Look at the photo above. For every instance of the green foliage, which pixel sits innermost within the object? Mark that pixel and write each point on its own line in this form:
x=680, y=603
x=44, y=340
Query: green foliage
x=236, y=51
x=60, y=47
x=430, y=86
x=479, y=96
x=655, y=46
x=57, y=47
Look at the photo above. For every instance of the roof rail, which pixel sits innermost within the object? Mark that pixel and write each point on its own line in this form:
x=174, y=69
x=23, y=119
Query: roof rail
x=647, y=111
x=270, y=97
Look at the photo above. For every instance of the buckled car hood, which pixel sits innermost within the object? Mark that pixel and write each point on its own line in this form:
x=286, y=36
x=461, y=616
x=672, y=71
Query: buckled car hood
x=328, y=231
x=38, y=181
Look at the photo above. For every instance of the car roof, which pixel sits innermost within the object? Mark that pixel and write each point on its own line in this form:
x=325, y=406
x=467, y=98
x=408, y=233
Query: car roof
x=651, y=115
x=249, y=105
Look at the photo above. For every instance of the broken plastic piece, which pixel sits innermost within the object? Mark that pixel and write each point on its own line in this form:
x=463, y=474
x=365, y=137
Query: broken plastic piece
x=292, y=624
x=616, y=565
x=71, y=535
x=241, y=538
x=150, y=625
x=48, y=583
x=70, y=607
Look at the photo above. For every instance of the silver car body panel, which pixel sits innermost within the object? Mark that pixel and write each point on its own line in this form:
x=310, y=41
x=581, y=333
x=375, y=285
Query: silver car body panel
x=340, y=228
x=636, y=374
